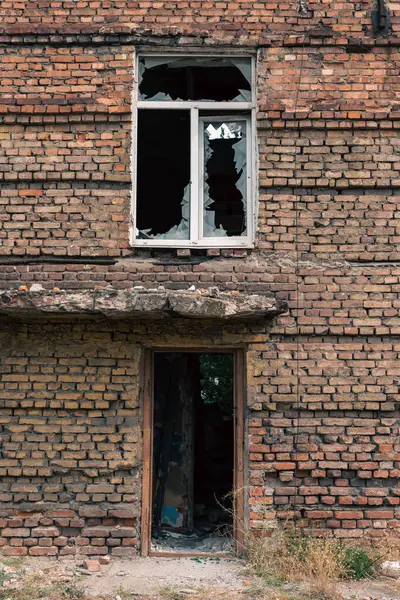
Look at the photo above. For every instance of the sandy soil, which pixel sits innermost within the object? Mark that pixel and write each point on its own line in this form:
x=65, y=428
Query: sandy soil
x=152, y=575
x=161, y=579
x=382, y=589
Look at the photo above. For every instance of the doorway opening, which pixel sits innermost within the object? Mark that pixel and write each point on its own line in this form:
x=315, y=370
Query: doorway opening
x=193, y=456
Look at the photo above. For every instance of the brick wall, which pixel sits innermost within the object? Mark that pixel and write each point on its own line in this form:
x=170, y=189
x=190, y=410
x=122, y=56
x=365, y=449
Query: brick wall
x=344, y=473
x=65, y=120
x=70, y=424
x=71, y=432
x=63, y=220
x=225, y=20
x=70, y=442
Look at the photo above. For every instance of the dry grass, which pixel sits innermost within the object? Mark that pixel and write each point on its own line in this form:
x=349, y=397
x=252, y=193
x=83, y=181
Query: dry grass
x=315, y=563
x=20, y=585
x=34, y=591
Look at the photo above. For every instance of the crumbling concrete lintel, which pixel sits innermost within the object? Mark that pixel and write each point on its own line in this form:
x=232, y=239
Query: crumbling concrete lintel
x=140, y=304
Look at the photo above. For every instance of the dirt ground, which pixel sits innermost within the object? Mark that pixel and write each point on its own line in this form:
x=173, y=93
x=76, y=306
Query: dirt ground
x=381, y=589
x=161, y=579
x=150, y=575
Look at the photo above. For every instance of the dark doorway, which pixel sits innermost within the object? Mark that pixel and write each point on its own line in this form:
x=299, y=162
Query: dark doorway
x=193, y=459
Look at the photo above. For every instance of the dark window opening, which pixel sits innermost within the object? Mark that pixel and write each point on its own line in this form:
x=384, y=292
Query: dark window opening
x=193, y=452
x=213, y=79
x=163, y=174
x=225, y=180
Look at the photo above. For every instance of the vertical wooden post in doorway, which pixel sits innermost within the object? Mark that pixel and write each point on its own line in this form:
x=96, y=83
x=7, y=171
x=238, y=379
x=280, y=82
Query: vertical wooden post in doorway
x=238, y=479
x=147, y=470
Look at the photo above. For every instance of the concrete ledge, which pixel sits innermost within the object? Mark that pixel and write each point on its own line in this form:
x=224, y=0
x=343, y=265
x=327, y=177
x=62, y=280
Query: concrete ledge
x=140, y=303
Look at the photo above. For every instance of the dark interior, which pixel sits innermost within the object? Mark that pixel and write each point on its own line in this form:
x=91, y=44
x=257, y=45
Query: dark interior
x=222, y=176
x=217, y=80
x=193, y=460
x=163, y=169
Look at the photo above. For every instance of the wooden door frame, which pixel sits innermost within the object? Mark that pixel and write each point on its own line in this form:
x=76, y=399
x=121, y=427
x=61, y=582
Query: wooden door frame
x=147, y=406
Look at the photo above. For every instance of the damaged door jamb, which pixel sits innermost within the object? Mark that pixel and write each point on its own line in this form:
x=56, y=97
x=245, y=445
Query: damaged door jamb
x=239, y=440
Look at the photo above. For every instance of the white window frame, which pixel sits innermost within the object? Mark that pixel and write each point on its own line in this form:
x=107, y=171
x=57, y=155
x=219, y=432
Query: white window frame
x=197, y=160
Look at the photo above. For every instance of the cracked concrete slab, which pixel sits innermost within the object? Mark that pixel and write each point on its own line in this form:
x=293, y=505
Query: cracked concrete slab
x=140, y=304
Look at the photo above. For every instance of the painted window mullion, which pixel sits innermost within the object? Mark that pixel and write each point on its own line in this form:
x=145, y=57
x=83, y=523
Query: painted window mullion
x=135, y=116
x=200, y=149
x=251, y=209
x=186, y=104
x=194, y=174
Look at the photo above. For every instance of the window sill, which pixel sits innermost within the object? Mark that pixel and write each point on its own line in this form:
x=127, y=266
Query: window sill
x=175, y=244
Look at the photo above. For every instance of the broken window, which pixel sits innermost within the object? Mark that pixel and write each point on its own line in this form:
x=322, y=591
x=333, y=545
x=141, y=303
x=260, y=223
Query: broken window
x=163, y=177
x=208, y=79
x=194, y=151
x=225, y=181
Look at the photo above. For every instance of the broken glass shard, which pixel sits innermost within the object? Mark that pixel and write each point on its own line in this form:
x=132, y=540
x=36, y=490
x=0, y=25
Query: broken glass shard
x=212, y=79
x=225, y=177
x=163, y=174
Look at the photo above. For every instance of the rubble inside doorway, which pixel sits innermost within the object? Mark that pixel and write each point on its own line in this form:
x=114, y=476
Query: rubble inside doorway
x=196, y=543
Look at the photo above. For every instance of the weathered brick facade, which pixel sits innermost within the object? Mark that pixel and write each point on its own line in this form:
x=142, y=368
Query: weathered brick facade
x=70, y=389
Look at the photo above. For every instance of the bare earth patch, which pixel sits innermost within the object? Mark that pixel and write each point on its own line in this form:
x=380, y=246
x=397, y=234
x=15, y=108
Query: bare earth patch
x=152, y=575
x=379, y=589
x=161, y=579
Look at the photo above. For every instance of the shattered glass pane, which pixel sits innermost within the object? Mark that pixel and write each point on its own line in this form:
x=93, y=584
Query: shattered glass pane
x=163, y=175
x=212, y=79
x=225, y=177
